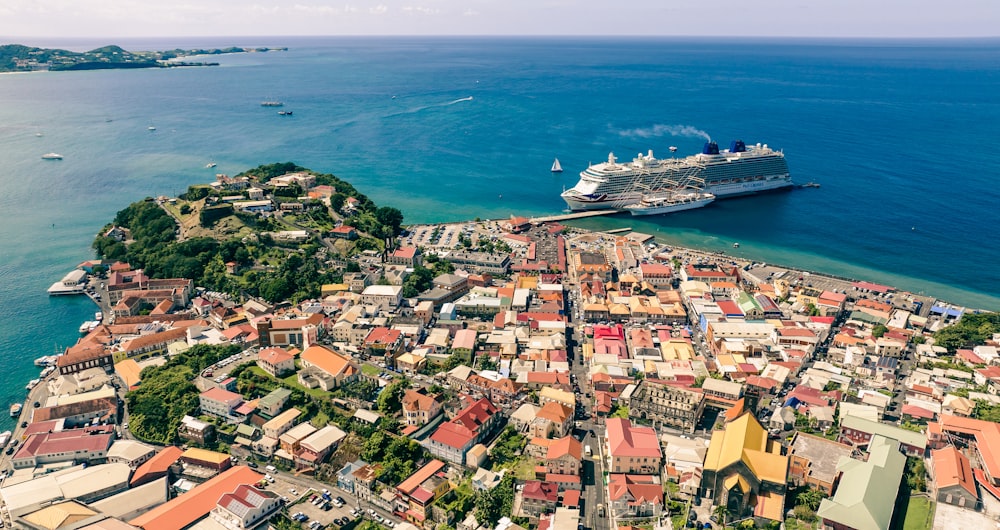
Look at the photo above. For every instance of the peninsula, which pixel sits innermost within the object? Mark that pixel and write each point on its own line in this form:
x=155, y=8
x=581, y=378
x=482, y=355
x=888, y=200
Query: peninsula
x=273, y=347
x=19, y=58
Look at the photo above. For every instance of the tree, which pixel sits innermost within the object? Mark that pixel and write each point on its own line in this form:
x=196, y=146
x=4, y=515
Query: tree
x=809, y=498
x=878, y=330
x=916, y=475
x=390, y=400
x=391, y=219
x=492, y=504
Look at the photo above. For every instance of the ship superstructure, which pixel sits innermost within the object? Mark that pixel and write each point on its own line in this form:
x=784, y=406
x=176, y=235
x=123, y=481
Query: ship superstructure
x=739, y=170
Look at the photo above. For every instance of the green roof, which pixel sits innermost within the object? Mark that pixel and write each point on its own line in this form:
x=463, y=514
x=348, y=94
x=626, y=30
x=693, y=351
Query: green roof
x=246, y=430
x=276, y=396
x=861, y=316
x=866, y=494
x=916, y=439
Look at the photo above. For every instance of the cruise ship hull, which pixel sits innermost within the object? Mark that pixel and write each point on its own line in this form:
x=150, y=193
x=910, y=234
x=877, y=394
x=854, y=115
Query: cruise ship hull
x=578, y=203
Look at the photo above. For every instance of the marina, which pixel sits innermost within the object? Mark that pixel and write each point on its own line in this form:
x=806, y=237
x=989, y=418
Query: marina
x=73, y=283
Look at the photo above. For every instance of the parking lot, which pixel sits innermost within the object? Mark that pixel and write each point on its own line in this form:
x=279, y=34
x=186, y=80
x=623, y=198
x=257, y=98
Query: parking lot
x=315, y=509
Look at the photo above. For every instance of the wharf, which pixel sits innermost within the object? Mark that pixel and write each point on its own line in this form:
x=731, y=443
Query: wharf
x=573, y=215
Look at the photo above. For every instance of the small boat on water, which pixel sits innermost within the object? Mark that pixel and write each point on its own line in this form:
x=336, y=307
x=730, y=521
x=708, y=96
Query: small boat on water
x=736, y=245
x=98, y=316
x=210, y=165
x=556, y=167
x=673, y=148
x=46, y=360
x=52, y=156
x=669, y=201
x=4, y=438
x=285, y=112
x=271, y=103
x=150, y=128
x=15, y=410
x=32, y=384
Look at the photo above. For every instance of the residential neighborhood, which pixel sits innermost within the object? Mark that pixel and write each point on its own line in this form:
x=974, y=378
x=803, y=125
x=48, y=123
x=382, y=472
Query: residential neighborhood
x=552, y=379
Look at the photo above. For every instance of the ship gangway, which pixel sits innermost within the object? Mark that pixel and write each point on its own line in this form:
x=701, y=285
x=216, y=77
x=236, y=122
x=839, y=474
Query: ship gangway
x=573, y=215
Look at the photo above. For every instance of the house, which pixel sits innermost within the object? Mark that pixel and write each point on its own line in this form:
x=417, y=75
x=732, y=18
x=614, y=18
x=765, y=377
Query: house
x=552, y=420
x=325, y=368
x=220, y=403
x=473, y=424
x=276, y=361
x=344, y=232
x=635, y=495
x=245, y=508
x=419, y=408
x=865, y=497
x=195, y=430
x=274, y=402
x=632, y=450
x=538, y=498
x=953, y=481
x=813, y=461
x=281, y=423
x=745, y=471
x=407, y=256
x=563, y=456
x=385, y=297
x=74, y=445
x=314, y=449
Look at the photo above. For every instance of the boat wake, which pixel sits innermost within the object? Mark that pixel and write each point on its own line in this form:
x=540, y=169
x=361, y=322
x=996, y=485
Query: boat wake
x=659, y=130
x=428, y=107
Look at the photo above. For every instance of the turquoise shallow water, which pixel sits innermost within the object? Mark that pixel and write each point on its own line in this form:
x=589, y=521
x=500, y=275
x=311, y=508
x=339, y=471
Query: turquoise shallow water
x=899, y=133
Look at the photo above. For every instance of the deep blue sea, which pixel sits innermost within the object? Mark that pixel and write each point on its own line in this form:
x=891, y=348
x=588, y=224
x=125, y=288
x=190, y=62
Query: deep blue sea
x=901, y=135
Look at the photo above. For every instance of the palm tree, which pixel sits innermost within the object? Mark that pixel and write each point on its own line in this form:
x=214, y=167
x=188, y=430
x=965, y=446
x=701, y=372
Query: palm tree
x=722, y=513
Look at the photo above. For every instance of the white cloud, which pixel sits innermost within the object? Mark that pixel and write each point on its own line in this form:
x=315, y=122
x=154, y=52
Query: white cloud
x=380, y=9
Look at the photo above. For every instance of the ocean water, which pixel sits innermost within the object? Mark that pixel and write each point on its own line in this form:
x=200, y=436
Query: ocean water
x=900, y=134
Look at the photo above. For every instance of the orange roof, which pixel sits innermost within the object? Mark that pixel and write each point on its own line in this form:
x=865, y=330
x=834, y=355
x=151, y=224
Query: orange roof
x=952, y=468
x=415, y=480
x=158, y=464
x=567, y=445
x=180, y=512
x=987, y=436
x=554, y=412
x=325, y=359
x=274, y=356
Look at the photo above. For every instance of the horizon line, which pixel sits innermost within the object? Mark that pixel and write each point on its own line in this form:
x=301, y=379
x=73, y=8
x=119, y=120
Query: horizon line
x=520, y=36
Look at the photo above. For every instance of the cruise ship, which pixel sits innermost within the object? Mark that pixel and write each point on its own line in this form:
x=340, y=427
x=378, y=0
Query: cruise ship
x=739, y=170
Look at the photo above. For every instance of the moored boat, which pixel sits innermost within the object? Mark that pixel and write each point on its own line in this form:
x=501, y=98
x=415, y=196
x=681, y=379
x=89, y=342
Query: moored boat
x=669, y=201
x=740, y=170
x=52, y=156
x=15, y=410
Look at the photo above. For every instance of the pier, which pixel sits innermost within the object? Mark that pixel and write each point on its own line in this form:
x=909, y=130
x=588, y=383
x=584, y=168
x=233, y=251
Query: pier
x=573, y=215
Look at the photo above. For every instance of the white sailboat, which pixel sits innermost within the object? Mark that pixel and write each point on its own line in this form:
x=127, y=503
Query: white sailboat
x=556, y=168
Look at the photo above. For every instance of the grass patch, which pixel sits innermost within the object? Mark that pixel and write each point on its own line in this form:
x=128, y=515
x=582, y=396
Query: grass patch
x=369, y=370
x=919, y=514
x=524, y=468
x=293, y=382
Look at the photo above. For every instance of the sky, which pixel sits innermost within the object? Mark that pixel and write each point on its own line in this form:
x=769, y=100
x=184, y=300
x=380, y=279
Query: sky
x=764, y=18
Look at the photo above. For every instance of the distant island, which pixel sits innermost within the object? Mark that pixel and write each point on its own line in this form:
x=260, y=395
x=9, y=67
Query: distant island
x=19, y=58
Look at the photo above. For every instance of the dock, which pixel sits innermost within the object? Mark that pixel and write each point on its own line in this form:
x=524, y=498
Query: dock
x=573, y=215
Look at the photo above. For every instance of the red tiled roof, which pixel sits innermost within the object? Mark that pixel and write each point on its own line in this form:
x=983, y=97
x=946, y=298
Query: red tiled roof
x=542, y=491
x=626, y=440
x=571, y=498
x=917, y=412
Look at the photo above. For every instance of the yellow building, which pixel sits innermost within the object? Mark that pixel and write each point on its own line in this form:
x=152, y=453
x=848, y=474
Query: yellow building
x=745, y=471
